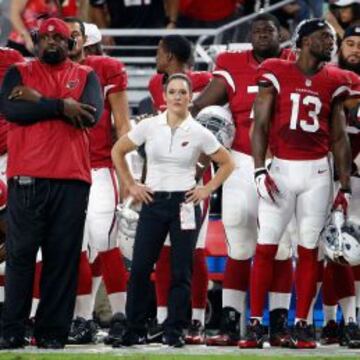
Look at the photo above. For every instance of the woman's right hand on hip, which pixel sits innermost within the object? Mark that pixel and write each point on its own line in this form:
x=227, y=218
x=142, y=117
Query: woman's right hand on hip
x=141, y=193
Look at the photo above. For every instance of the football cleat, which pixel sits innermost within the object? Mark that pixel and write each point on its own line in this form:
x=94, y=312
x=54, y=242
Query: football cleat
x=279, y=331
x=255, y=336
x=229, y=334
x=174, y=341
x=350, y=336
x=82, y=332
x=117, y=328
x=302, y=336
x=196, y=333
x=330, y=333
x=155, y=332
x=129, y=338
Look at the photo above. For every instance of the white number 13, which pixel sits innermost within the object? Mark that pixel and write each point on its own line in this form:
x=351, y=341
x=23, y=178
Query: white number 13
x=306, y=125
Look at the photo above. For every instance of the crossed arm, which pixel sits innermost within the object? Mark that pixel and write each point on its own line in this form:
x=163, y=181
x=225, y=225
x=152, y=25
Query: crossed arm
x=25, y=106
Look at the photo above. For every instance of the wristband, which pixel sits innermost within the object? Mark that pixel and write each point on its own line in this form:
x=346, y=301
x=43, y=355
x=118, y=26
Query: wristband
x=260, y=171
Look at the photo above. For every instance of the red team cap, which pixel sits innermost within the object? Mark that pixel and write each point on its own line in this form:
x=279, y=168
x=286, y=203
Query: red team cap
x=55, y=26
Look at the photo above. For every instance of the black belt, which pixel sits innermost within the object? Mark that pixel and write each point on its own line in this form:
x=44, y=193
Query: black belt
x=169, y=194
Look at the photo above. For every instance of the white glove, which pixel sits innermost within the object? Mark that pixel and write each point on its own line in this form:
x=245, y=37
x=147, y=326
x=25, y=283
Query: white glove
x=266, y=186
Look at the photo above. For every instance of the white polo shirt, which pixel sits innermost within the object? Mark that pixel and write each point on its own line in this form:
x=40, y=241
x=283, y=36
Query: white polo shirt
x=172, y=154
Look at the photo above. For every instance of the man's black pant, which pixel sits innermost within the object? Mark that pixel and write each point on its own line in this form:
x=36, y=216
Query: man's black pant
x=46, y=214
x=157, y=220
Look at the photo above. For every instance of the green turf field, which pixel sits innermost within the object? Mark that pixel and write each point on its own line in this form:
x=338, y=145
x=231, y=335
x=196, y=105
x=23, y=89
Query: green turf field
x=29, y=356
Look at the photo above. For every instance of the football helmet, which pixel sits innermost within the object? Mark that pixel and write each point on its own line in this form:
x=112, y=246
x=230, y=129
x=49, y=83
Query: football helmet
x=341, y=241
x=219, y=121
x=127, y=217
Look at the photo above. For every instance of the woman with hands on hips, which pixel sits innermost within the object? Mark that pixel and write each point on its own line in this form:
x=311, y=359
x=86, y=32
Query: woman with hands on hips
x=173, y=142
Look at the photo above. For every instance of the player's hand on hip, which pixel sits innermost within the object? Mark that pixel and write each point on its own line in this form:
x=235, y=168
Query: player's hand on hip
x=266, y=186
x=25, y=93
x=342, y=201
x=141, y=193
x=197, y=194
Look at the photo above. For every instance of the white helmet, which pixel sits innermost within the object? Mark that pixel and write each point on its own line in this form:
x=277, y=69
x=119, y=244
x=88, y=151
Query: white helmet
x=341, y=241
x=128, y=217
x=220, y=122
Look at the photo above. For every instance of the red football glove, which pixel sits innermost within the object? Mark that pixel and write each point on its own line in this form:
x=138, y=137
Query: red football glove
x=342, y=201
x=265, y=185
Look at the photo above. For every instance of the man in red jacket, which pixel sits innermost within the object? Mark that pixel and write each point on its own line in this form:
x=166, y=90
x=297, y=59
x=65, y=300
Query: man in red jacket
x=50, y=102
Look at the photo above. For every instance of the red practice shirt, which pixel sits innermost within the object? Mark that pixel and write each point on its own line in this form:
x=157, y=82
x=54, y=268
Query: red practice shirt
x=238, y=69
x=300, y=124
x=8, y=57
x=113, y=78
x=209, y=10
x=199, y=80
x=50, y=149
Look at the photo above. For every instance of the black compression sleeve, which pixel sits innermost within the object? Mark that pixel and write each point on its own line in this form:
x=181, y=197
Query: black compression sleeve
x=25, y=112
x=92, y=95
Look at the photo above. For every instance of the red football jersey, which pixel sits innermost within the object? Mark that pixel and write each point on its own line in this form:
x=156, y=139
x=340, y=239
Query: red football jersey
x=211, y=10
x=8, y=57
x=300, y=123
x=238, y=69
x=199, y=80
x=113, y=78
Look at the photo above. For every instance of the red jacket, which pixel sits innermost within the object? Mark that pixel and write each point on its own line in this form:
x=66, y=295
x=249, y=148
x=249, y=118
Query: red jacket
x=51, y=149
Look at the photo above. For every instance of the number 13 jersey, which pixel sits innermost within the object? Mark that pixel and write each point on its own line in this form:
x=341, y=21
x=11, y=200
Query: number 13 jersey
x=300, y=124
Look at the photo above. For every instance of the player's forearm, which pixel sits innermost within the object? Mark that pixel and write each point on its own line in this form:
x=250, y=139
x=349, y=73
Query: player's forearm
x=214, y=94
x=342, y=158
x=263, y=107
x=120, y=110
x=16, y=9
x=259, y=144
x=172, y=10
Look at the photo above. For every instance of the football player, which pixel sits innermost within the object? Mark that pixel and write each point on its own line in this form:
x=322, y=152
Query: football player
x=100, y=230
x=235, y=82
x=347, y=294
x=299, y=114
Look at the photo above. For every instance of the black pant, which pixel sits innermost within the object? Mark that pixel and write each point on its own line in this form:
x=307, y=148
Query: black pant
x=157, y=220
x=46, y=214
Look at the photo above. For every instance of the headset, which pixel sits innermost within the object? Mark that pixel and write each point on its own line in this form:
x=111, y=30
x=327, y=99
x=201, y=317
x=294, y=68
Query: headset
x=35, y=39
